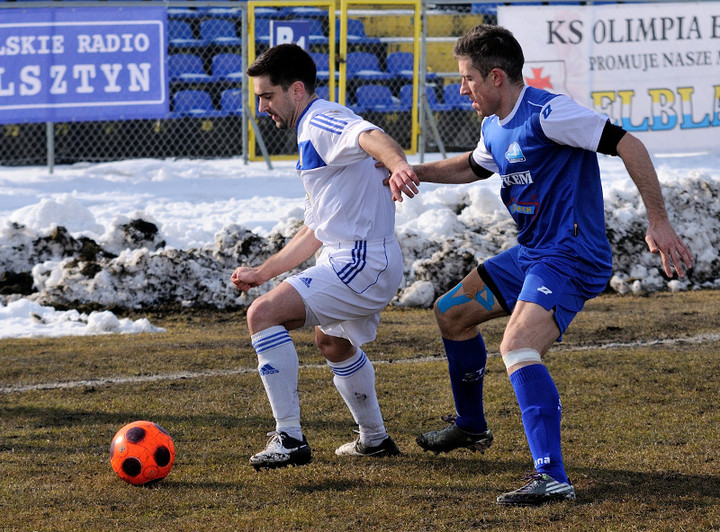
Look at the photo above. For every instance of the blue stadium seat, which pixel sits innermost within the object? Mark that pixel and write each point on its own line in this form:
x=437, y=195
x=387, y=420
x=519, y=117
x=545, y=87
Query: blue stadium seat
x=262, y=31
x=307, y=12
x=484, y=9
x=227, y=12
x=452, y=96
x=180, y=34
x=407, y=101
x=355, y=32
x=184, y=13
x=270, y=12
x=194, y=103
x=377, y=98
x=322, y=62
x=231, y=102
x=323, y=91
x=365, y=66
x=187, y=67
x=317, y=34
x=227, y=67
x=400, y=65
x=220, y=31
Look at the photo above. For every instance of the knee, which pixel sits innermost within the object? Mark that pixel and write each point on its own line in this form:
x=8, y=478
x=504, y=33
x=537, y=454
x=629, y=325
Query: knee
x=259, y=316
x=448, y=326
x=334, y=349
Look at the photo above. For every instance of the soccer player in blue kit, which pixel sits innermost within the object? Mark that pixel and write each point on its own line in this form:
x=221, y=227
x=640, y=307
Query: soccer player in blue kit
x=350, y=223
x=543, y=146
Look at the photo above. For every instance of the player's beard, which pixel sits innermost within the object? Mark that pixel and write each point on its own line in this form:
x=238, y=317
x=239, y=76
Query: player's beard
x=279, y=122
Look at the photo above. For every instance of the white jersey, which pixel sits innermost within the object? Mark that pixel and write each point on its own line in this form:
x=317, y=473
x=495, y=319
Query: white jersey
x=346, y=199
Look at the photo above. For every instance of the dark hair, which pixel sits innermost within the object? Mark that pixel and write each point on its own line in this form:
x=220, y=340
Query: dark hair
x=490, y=47
x=285, y=64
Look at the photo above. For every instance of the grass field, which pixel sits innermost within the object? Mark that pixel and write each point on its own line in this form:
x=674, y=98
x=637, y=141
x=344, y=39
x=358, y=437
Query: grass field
x=638, y=378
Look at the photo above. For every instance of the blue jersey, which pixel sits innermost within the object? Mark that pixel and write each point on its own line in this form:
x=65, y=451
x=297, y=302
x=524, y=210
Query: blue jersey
x=545, y=154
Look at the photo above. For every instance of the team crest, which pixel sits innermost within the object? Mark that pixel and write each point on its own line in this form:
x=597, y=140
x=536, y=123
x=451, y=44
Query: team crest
x=514, y=154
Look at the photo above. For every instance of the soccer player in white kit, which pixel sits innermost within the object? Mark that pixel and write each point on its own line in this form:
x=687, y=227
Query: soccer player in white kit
x=350, y=220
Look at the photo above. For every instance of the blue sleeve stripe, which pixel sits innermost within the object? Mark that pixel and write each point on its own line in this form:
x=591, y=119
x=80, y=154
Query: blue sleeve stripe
x=329, y=124
x=326, y=128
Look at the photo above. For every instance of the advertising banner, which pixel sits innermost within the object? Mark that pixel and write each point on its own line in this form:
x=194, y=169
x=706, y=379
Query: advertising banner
x=654, y=69
x=80, y=64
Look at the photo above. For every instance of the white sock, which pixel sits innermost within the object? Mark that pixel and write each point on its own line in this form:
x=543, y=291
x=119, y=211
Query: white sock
x=278, y=366
x=355, y=380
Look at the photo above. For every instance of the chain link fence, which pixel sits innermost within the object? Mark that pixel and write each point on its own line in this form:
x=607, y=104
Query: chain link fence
x=208, y=51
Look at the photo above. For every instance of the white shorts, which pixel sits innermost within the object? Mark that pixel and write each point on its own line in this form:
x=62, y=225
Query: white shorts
x=348, y=287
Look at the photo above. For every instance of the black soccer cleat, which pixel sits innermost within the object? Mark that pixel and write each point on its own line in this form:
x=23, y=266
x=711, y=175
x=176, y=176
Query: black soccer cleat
x=355, y=448
x=281, y=451
x=540, y=489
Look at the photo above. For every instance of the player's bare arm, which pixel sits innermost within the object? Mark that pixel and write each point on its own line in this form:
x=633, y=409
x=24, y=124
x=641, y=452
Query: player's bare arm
x=661, y=237
x=300, y=248
x=455, y=170
x=383, y=148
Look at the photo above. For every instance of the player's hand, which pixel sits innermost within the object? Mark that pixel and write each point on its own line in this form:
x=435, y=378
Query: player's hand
x=403, y=180
x=245, y=278
x=661, y=238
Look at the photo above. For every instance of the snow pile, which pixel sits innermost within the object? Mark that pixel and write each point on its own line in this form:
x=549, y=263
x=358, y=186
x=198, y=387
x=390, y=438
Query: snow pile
x=443, y=233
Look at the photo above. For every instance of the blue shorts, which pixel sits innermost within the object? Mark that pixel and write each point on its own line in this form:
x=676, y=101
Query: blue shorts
x=555, y=283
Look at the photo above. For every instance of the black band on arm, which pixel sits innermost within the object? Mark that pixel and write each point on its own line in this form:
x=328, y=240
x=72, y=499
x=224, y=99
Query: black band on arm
x=609, y=139
x=478, y=170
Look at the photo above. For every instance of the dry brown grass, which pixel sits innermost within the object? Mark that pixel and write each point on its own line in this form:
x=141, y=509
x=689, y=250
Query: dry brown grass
x=640, y=429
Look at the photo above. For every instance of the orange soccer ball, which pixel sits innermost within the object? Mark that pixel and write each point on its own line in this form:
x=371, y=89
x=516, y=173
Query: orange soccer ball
x=142, y=452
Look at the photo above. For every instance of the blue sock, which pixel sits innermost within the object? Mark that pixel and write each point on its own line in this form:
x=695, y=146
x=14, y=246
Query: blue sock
x=466, y=362
x=541, y=412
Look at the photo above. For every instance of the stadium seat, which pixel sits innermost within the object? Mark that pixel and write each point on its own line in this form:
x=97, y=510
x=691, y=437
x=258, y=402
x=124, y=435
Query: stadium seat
x=365, y=66
x=355, y=32
x=187, y=67
x=317, y=34
x=262, y=31
x=400, y=65
x=484, y=9
x=323, y=91
x=407, y=101
x=220, y=31
x=226, y=12
x=452, y=96
x=322, y=62
x=308, y=12
x=180, y=34
x=184, y=13
x=377, y=98
x=270, y=12
x=193, y=103
x=227, y=67
x=231, y=102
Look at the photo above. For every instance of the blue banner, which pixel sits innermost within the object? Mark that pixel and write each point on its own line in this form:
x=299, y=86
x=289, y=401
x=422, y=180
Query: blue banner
x=82, y=64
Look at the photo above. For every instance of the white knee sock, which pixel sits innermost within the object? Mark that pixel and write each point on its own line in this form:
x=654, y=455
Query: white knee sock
x=278, y=367
x=355, y=380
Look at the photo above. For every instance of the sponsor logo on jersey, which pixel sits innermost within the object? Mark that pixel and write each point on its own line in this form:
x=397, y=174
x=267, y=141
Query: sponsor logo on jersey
x=514, y=154
x=518, y=178
x=516, y=208
x=267, y=369
x=306, y=281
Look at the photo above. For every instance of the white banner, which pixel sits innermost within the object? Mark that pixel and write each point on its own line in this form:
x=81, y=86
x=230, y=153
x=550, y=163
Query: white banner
x=654, y=69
